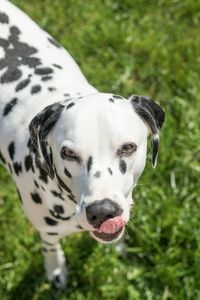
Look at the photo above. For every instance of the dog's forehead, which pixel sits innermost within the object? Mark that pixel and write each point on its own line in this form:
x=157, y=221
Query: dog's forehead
x=100, y=107
x=100, y=119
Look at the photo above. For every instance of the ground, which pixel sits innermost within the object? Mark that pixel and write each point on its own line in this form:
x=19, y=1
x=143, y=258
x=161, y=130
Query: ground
x=125, y=47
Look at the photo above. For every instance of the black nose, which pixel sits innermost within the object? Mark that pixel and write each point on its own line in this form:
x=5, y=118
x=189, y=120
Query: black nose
x=101, y=210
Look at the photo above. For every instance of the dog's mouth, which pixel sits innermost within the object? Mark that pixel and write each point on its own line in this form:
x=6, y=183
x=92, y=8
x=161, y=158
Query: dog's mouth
x=110, y=230
x=107, y=237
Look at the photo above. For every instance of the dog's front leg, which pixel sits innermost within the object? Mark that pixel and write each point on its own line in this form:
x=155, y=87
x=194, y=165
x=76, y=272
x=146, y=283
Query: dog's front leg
x=54, y=260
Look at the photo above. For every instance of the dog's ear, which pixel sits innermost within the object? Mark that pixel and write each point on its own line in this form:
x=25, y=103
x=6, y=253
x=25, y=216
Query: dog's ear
x=39, y=128
x=153, y=115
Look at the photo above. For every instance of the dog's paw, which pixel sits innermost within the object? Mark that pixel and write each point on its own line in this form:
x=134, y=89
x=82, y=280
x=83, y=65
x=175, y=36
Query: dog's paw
x=59, y=278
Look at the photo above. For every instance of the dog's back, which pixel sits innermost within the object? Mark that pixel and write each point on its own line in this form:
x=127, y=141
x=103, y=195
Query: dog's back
x=29, y=78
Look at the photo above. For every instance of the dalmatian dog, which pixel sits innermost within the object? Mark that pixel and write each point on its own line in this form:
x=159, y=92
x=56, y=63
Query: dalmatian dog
x=74, y=153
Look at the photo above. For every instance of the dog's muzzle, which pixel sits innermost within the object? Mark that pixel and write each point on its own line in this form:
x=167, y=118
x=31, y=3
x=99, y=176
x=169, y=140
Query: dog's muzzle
x=105, y=216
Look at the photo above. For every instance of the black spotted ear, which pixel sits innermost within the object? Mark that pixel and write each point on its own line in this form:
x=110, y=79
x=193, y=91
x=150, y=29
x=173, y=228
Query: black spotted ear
x=153, y=115
x=39, y=128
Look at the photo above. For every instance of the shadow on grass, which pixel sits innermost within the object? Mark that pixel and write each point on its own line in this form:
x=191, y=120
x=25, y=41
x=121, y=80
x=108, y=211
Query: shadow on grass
x=34, y=286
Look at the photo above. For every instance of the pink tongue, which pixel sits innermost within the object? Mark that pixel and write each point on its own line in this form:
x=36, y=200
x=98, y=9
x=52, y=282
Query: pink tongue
x=111, y=225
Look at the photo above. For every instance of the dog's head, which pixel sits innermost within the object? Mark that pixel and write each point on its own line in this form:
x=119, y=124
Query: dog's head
x=96, y=148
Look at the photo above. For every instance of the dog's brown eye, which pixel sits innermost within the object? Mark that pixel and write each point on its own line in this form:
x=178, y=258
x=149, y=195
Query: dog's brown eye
x=127, y=149
x=69, y=154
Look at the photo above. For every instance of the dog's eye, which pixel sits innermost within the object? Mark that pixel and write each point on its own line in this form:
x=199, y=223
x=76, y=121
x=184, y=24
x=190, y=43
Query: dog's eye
x=69, y=154
x=127, y=149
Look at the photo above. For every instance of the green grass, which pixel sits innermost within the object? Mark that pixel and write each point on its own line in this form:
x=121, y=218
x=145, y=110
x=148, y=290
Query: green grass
x=130, y=46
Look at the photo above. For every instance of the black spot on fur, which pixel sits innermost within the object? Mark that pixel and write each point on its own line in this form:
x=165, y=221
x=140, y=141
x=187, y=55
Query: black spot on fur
x=67, y=173
x=111, y=100
x=58, y=216
x=51, y=89
x=31, y=62
x=46, y=78
x=17, y=54
x=97, y=174
x=29, y=144
x=62, y=184
x=57, y=66
x=13, y=75
x=70, y=105
x=57, y=194
x=56, y=280
x=28, y=162
x=36, y=184
x=53, y=42
x=72, y=198
x=122, y=166
x=79, y=227
x=2, y=159
x=47, y=243
x=43, y=175
x=14, y=31
x=4, y=44
x=44, y=250
x=66, y=100
x=67, y=95
x=4, y=18
x=89, y=163
x=52, y=233
x=43, y=71
x=54, y=214
x=59, y=209
x=8, y=108
x=35, y=89
x=117, y=97
x=11, y=150
x=110, y=171
x=51, y=155
x=36, y=198
x=50, y=221
x=66, y=218
x=52, y=250
x=17, y=167
x=22, y=84
x=60, y=188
